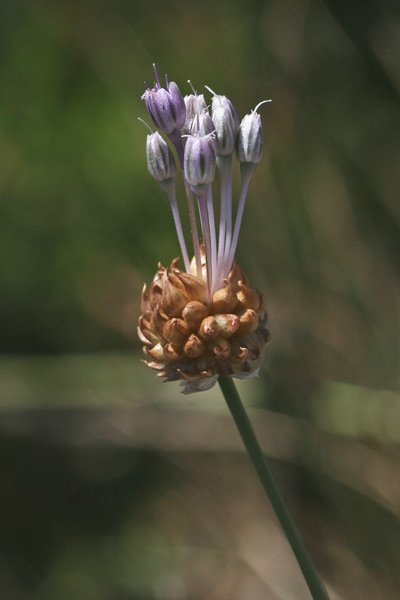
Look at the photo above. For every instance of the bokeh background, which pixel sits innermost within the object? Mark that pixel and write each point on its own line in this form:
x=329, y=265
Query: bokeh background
x=113, y=485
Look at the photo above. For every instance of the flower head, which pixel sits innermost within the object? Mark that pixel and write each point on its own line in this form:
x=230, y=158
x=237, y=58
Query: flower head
x=204, y=321
x=185, y=339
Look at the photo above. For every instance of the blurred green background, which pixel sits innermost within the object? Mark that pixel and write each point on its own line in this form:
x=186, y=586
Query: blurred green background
x=114, y=486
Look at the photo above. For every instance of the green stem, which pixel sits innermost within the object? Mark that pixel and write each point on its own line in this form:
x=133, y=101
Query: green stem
x=267, y=479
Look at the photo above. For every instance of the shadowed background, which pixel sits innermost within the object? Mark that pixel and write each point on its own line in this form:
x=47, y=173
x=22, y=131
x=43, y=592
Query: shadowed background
x=113, y=486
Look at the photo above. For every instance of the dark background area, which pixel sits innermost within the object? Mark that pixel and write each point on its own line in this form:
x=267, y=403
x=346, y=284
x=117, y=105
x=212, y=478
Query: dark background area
x=113, y=485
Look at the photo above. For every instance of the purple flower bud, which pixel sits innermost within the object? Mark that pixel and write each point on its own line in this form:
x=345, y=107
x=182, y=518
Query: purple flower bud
x=166, y=107
x=160, y=160
x=195, y=104
x=199, y=162
x=250, y=140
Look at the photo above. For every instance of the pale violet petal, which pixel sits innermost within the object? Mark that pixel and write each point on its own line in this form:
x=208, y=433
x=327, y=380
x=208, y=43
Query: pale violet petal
x=247, y=375
x=200, y=385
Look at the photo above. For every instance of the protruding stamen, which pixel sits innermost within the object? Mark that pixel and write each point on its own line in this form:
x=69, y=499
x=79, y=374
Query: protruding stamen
x=156, y=76
x=191, y=85
x=210, y=90
x=259, y=104
x=147, y=125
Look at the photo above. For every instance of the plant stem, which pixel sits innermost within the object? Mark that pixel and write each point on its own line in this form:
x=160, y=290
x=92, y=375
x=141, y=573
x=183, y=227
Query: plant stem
x=267, y=479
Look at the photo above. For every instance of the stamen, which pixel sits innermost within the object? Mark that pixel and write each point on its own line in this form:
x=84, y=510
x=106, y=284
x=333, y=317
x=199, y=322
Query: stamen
x=191, y=85
x=259, y=104
x=156, y=75
x=147, y=125
x=210, y=90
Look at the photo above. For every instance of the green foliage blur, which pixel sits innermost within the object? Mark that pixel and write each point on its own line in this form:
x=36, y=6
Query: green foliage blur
x=83, y=225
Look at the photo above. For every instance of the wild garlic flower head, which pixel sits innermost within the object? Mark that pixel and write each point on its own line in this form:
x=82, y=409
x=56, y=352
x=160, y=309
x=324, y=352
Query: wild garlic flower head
x=203, y=321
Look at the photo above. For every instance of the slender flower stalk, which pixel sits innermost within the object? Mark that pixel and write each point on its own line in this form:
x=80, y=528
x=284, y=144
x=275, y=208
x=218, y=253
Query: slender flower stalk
x=169, y=187
x=162, y=167
x=225, y=167
x=267, y=479
x=177, y=141
x=213, y=237
x=247, y=171
x=205, y=226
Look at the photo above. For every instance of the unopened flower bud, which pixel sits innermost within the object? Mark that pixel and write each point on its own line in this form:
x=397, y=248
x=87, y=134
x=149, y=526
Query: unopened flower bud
x=166, y=107
x=221, y=348
x=194, y=347
x=224, y=102
x=194, y=286
x=156, y=353
x=157, y=320
x=194, y=313
x=237, y=274
x=195, y=104
x=225, y=299
x=249, y=298
x=199, y=162
x=248, y=322
x=173, y=298
x=226, y=122
x=209, y=329
x=160, y=160
x=229, y=324
x=183, y=327
x=250, y=140
x=239, y=353
x=203, y=125
x=172, y=353
x=172, y=333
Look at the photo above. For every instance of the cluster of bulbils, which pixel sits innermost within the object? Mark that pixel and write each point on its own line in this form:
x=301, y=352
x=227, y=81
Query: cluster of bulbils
x=204, y=321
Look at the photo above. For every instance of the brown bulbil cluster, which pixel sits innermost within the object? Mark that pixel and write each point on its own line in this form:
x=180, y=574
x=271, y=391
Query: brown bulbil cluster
x=186, y=339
